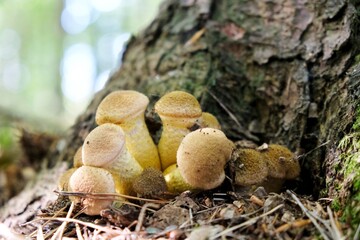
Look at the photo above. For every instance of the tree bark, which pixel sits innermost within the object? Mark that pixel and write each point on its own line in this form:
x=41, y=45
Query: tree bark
x=271, y=71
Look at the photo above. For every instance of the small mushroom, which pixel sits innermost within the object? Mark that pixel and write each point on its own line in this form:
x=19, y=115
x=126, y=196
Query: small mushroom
x=174, y=181
x=150, y=183
x=77, y=161
x=126, y=108
x=105, y=147
x=87, y=179
x=282, y=165
x=209, y=120
x=249, y=167
x=178, y=111
x=63, y=183
x=202, y=156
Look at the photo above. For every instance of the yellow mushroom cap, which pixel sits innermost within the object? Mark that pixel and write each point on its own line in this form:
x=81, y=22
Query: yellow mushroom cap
x=121, y=105
x=77, y=161
x=249, y=167
x=202, y=156
x=150, y=183
x=178, y=104
x=89, y=179
x=103, y=145
x=290, y=167
x=63, y=183
x=209, y=120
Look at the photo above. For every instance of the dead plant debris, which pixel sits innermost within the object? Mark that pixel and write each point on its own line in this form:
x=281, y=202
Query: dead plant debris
x=206, y=215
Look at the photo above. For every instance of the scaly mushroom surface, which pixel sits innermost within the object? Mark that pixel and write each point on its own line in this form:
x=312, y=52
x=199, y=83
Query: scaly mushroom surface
x=126, y=108
x=105, y=147
x=87, y=179
x=179, y=111
x=202, y=156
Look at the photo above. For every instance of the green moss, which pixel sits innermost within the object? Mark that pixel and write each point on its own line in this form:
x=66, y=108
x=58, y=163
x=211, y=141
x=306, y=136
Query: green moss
x=356, y=125
x=350, y=165
x=335, y=205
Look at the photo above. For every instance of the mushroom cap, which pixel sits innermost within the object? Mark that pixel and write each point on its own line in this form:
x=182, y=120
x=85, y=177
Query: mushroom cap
x=178, y=104
x=249, y=167
x=150, y=183
x=274, y=161
x=174, y=181
x=281, y=162
x=209, y=120
x=121, y=105
x=202, y=156
x=89, y=179
x=287, y=158
x=63, y=183
x=103, y=145
x=77, y=161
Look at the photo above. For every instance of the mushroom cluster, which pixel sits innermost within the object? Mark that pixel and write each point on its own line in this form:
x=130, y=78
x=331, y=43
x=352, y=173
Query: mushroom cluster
x=269, y=166
x=120, y=156
x=121, y=150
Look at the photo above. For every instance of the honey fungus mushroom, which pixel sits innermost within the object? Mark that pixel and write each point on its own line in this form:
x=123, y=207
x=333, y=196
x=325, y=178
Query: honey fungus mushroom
x=126, y=108
x=249, y=167
x=282, y=165
x=150, y=183
x=202, y=156
x=105, y=147
x=87, y=179
x=209, y=120
x=179, y=111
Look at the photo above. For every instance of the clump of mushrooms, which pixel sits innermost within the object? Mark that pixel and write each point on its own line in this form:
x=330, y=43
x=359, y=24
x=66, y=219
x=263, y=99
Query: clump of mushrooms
x=126, y=108
x=178, y=111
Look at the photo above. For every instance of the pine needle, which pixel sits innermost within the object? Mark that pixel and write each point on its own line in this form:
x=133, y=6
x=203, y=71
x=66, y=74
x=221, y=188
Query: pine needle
x=246, y=223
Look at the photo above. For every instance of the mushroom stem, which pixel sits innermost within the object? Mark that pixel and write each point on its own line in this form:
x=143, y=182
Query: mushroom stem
x=179, y=112
x=174, y=181
x=105, y=147
x=139, y=142
x=126, y=109
x=174, y=131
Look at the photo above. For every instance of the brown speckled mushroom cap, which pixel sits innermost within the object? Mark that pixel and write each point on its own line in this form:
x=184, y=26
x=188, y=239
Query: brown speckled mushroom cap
x=178, y=104
x=103, y=145
x=119, y=106
x=151, y=183
x=89, y=179
x=202, y=156
x=287, y=159
x=249, y=167
x=274, y=161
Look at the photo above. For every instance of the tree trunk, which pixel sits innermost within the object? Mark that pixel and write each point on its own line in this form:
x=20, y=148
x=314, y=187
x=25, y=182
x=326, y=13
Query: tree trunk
x=271, y=71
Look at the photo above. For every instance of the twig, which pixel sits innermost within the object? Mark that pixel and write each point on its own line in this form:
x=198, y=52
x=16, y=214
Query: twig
x=357, y=233
x=142, y=215
x=40, y=234
x=247, y=223
x=78, y=232
x=232, y=116
x=87, y=224
x=59, y=233
x=309, y=215
x=321, y=145
x=335, y=230
x=114, y=196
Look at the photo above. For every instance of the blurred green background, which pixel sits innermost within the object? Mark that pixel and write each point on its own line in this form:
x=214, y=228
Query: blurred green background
x=54, y=55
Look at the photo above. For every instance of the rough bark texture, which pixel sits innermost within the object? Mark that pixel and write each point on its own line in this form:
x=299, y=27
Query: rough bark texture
x=271, y=71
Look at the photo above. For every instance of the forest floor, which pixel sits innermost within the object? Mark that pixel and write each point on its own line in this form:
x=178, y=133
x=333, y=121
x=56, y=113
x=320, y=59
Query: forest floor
x=206, y=215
